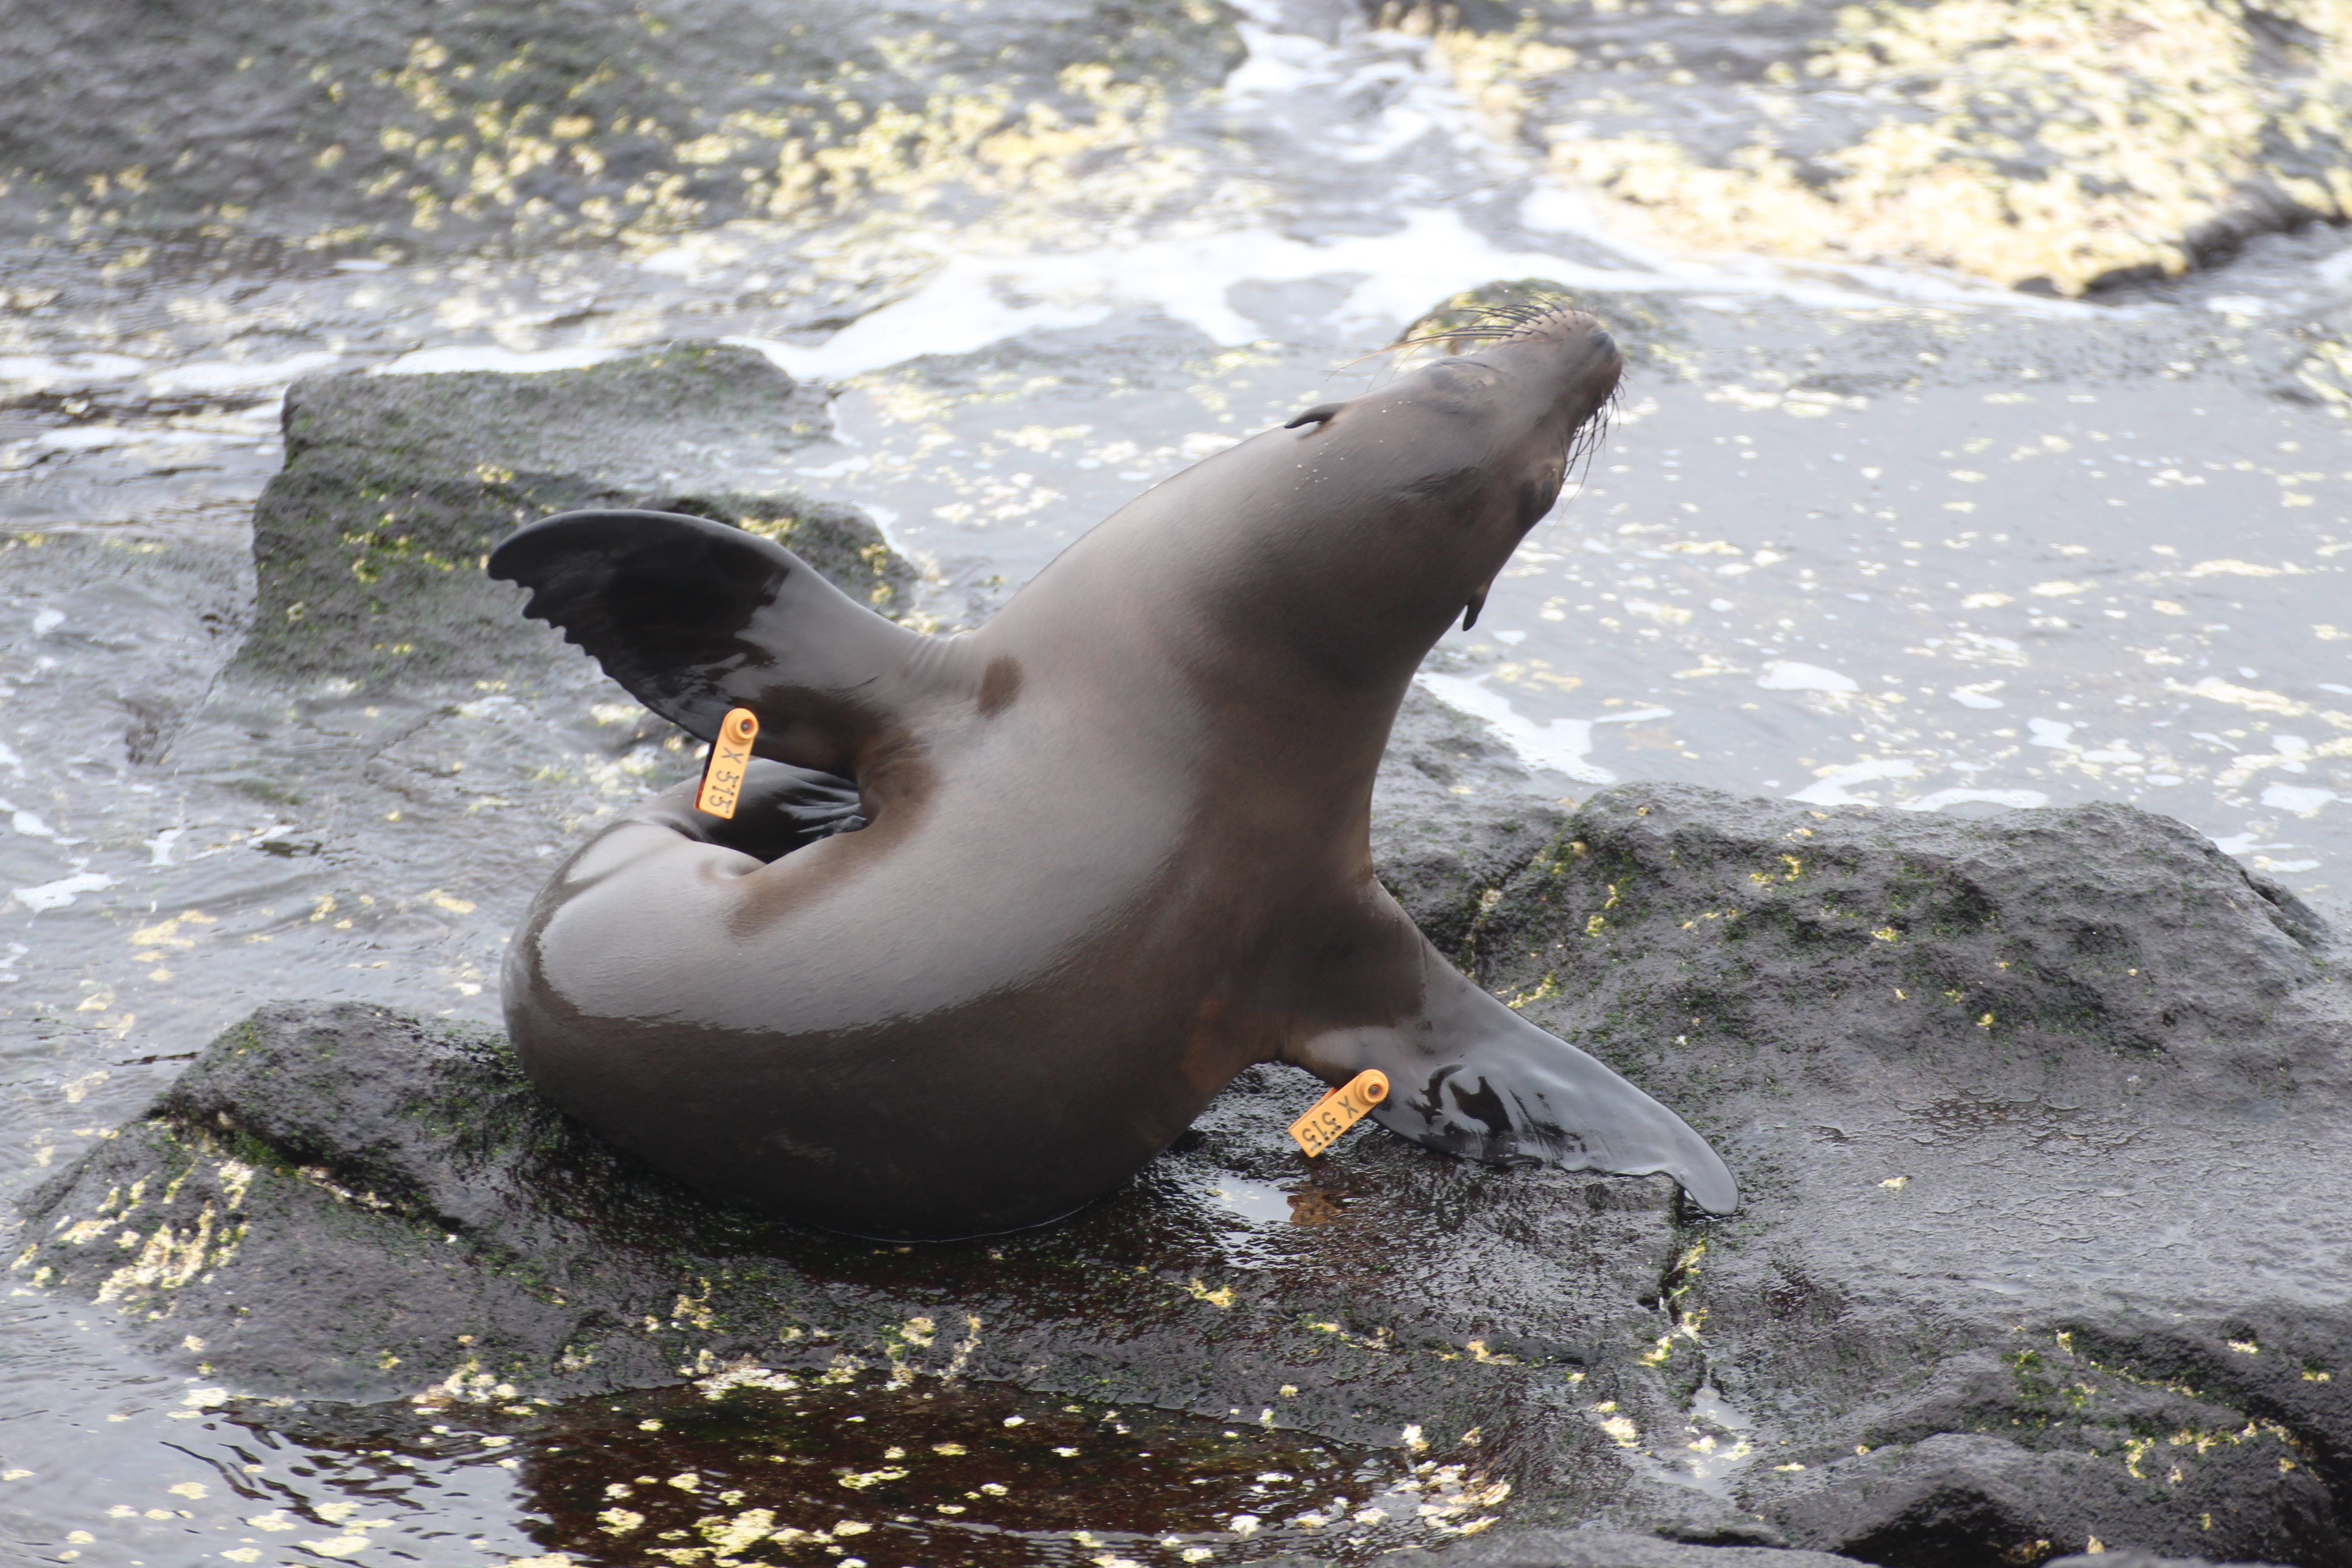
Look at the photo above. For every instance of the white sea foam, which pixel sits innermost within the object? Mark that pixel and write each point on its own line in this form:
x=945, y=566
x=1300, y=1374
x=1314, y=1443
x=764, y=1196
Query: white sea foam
x=2241, y=843
x=98, y=437
x=2015, y=799
x=1979, y=695
x=974, y=301
x=1788, y=676
x=2052, y=733
x=1561, y=745
x=40, y=372
x=236, y=375
x=57, y=895
x=2303, y=800
x=31, y=824
x=1830, y=788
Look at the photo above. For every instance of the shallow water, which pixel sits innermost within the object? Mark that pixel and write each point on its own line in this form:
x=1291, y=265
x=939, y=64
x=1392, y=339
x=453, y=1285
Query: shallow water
x=1855, y=535
x=772, y=1470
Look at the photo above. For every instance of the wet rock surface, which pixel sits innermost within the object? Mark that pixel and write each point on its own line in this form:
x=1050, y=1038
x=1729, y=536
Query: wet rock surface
x=2049, y=146
x=361, y=1206
x=369, y=544
x=325, y=129
x=2035, y=1115
x=906, y=1468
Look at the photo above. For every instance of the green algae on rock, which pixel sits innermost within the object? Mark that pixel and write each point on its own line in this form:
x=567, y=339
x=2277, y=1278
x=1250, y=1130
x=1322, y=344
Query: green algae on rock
x=369, y=546
x=2055, y=144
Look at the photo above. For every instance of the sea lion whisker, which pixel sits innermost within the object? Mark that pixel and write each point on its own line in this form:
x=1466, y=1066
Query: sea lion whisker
x=1451, y=335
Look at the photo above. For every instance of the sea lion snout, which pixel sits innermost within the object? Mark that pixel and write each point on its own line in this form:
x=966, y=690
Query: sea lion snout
x=1581, y=347
x=1569, y=345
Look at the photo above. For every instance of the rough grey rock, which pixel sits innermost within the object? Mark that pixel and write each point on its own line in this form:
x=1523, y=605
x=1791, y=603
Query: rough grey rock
x=2031, y=1114
x=1454, y=814
x=2038, y=1117
x=2135, y=1559
x=1959, y=1499
x=370, y=545
x=328, y=127
x=1933, y=132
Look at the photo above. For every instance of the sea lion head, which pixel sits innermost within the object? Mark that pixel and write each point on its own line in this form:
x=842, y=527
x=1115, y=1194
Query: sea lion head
x=1455, y=461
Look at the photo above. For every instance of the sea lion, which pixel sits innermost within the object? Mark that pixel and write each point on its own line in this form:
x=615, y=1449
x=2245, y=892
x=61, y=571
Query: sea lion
x=1003, y=911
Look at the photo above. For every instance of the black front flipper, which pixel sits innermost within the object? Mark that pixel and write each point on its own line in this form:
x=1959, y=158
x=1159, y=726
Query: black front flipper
x=696, y=617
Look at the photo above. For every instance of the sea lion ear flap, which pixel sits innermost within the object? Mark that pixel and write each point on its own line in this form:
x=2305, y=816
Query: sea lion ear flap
x=683, y=611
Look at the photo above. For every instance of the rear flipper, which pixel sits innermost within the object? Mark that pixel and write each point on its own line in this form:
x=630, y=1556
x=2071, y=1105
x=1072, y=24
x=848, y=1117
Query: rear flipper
x=781, y=808
x=1470, y=1077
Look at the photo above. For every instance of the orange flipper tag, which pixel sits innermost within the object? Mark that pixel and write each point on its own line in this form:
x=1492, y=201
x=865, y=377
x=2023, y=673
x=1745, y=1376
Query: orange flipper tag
x=1339, y=1109
x=722, y=775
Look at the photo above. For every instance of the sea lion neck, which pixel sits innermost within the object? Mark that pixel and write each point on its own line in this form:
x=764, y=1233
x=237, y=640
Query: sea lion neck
x=1367, y=525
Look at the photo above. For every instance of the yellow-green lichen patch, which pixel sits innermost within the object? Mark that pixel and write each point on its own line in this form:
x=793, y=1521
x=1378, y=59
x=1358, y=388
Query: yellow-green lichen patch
x=170, y=1242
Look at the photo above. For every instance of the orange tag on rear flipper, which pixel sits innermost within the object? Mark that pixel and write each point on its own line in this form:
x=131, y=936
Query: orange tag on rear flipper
x=722, y=775
x=1339, y=1109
